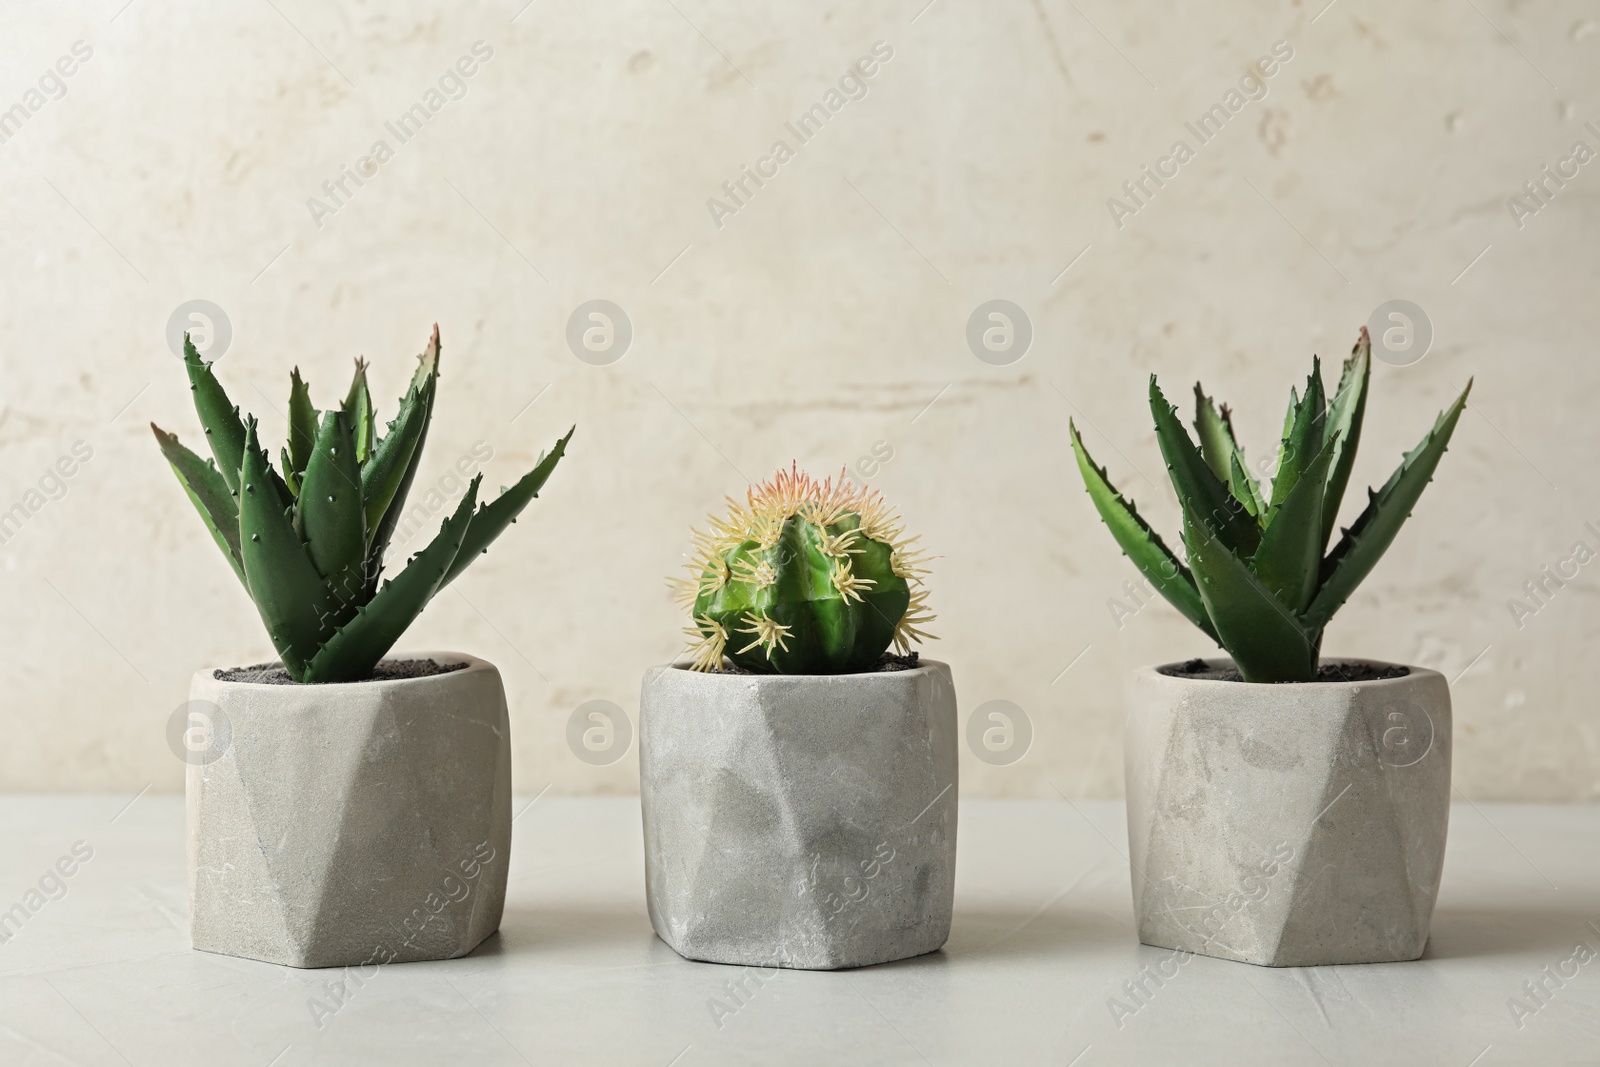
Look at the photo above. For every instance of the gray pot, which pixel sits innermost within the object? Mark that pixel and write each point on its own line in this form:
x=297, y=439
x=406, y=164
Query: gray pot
x=351, y=824
x=799, y=821
x=1293, y=825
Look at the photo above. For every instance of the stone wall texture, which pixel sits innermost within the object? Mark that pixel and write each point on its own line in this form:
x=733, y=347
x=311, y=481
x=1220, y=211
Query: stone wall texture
x=820, y=316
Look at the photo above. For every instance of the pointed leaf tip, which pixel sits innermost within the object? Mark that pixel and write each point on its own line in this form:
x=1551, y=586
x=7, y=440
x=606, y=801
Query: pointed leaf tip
x=1137, y=541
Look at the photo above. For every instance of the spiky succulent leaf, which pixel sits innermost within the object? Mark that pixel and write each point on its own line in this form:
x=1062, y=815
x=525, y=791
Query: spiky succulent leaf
x=357, y=646
x=209, y=494
x=1290, y=557
x=280, y=488
x=288, y=472
x=1265, y=640
x=282, y=540
x=491, y=519
x=1221, y=451
x=295, y=603
x=1199, y=490
x=1288, y=416
x=302, y=427
x=1142, y=545
x=330, y=517
x=378, y=542
x=1215, y=435
x=388, y=473
x=219, y=416
x=1345, y=414
x=1364, y=543
x=1243, y=487
x=357, y=408
x=1303, y=439
x=1268, y=606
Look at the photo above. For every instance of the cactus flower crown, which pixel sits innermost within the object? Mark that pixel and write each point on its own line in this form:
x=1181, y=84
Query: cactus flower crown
x=804, y=577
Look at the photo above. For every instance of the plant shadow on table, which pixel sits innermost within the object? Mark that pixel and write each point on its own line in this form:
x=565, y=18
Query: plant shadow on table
x=983, y=933
x=1463, y=933
x=988, y=933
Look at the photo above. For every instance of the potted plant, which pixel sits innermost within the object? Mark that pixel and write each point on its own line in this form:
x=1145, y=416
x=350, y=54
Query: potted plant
x=1283, y=809
x=360, y=810
x=798, y=780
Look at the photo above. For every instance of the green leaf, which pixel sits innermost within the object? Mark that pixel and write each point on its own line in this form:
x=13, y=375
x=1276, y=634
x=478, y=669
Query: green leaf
x=330, y=517
x=302, y=427
x=219, y=416
x=491, y=520
x=209, y=494
x=1345, y=414
x=357, y=408
x=427, y=362
x=351, y=653
x=388, y=473
x=1221, y=451
x=289, y=480
x=1365, y=542
x=1303, y=438
x=295, y=603
x=1256, y=504
x=1265, y=640
x=1217, y=445
x=1243, y=487
x=1289, y=559
x=1199, y=490
x=1139, y=542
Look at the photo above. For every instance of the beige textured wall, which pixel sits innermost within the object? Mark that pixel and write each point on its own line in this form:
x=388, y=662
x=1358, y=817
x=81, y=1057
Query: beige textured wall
x=825, y=316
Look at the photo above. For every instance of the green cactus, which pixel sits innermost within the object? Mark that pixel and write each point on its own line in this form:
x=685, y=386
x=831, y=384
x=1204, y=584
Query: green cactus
x=308, y=544
x=819, y=577
x=1257, y=582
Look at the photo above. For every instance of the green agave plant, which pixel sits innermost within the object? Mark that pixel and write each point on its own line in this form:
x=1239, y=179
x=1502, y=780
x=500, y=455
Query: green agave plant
x=308, y=544
x=1257, y=581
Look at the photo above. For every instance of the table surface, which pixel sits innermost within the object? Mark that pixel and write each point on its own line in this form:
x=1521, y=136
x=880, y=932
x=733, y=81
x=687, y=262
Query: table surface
x=1041, y=947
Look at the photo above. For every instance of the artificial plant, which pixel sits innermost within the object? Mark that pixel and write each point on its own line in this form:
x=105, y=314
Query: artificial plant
x=1257, y=580
x=818, y=576
x=308, y=543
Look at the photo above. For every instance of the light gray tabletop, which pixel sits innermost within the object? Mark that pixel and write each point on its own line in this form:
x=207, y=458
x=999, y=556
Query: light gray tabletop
x=1041, y=968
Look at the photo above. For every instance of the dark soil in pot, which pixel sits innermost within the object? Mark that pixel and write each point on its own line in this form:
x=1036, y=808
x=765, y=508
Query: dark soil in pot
x=388, y=670
x=1331, y=671
x=886, y=662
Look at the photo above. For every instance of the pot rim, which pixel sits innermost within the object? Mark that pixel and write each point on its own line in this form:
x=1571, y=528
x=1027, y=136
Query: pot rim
x=1154, y=671
x=474, y=665
x=682, y=667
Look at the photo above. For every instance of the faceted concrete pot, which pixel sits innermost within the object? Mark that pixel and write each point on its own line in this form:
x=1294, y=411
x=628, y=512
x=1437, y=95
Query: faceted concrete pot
x=351, y=824
x=1291, y=825
x=799, y=821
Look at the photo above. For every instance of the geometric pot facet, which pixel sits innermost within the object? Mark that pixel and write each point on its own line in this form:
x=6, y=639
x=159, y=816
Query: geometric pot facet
x=1288, y=825
x=350, y=824
x=803, y=821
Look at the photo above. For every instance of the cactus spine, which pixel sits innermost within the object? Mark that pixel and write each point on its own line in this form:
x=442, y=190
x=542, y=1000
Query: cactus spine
x=804, y=577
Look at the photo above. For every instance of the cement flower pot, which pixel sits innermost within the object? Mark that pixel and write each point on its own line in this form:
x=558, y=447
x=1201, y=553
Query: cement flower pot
x=799, y=821
x=1291, y=825
x=352, y=824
